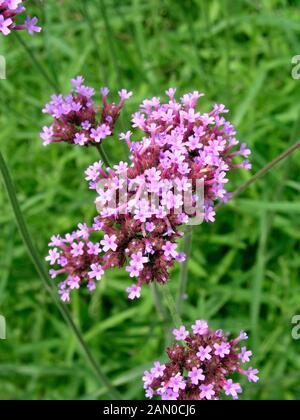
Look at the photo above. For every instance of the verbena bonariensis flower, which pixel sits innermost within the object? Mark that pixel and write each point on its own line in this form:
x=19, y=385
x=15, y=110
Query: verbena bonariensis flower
x=143, y=205
x=9, y=10
x=78, y=120
x=199, y=366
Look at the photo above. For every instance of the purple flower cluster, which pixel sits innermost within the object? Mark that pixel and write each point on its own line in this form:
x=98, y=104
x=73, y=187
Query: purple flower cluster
x=142, y=205
x=83, y=259
x=179, y=147
x=199, y=366
x=78, y=257
x=78, y=120
x=9, y=10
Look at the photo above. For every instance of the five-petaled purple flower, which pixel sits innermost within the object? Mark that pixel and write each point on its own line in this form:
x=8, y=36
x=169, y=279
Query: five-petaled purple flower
x=180, y=333
x=96, y=272
x=222, y=349
x=245, y=355
x=158, y=370
x=207, y=392
x=232, y=389
x=204, y=353
x=200, y=327
x=134, y=292
x=252, y=375
x=109, y=243
x=53, y=256
x=196, y=375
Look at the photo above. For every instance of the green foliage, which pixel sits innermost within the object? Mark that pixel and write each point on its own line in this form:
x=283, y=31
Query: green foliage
x=244, y=269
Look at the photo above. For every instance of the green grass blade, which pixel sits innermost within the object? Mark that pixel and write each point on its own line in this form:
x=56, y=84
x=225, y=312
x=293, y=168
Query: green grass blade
x=36, y=62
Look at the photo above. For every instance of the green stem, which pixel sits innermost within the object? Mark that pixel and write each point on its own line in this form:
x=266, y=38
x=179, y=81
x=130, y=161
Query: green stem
x=177, y=321
x=187, y=247
x=40, y=268
x=161, y=311
x=37, y=64
x=158, y=304
x=264, y=171
x=103, y=155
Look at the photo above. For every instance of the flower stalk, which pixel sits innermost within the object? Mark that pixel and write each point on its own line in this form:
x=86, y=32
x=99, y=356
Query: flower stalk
x=36, y=62
x=184, y=268
x=170, y=303
x=103, y=155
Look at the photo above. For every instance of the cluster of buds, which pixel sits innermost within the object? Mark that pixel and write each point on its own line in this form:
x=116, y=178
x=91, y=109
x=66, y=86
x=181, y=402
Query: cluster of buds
x=78, y=120
x=178, y=170
x=199, y=366
x=9, y=10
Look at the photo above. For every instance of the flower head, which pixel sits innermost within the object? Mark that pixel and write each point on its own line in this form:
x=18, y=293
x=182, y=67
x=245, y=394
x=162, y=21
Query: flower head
x=194, y=370
x=9, y=10
x=179, y=147
x=77, y=119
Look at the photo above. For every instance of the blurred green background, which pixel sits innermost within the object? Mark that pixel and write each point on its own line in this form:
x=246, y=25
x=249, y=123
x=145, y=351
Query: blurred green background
x=244, y=270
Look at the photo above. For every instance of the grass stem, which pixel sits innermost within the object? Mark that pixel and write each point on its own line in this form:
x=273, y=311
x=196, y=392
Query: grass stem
x=264, y=171
x=36, y=62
